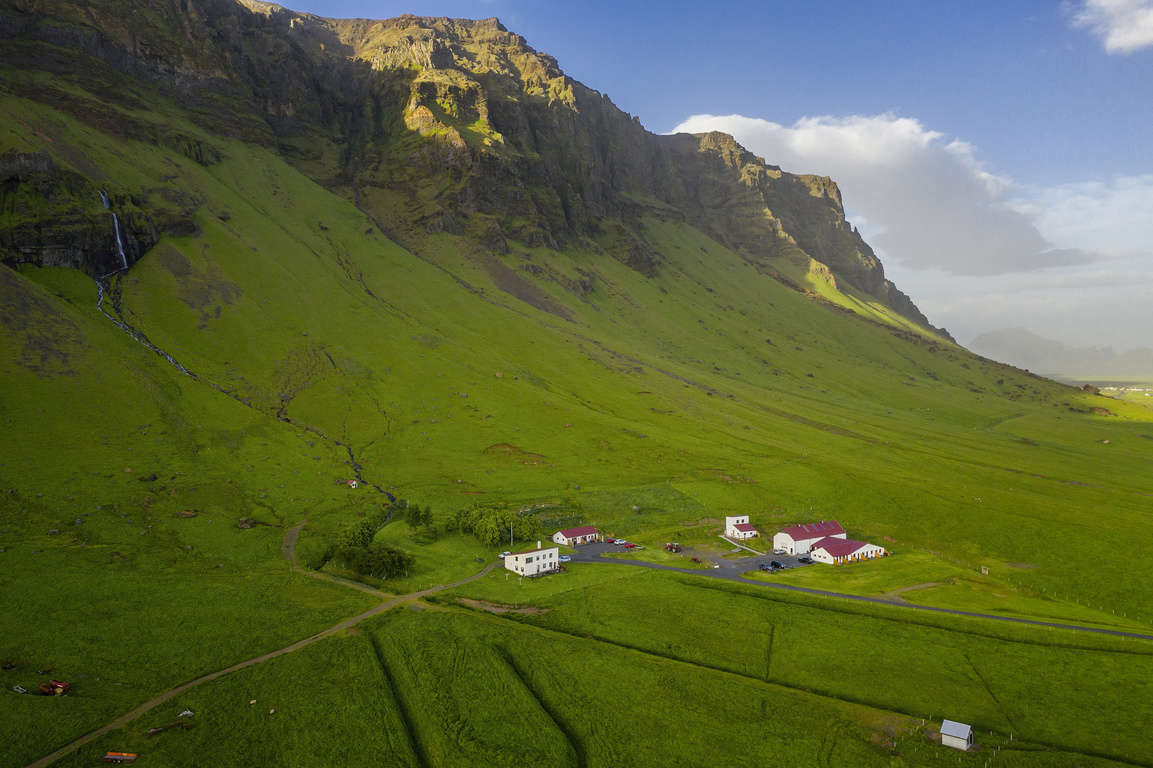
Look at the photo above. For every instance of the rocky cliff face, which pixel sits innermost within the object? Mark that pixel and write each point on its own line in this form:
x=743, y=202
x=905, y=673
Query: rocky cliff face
x=435, y=124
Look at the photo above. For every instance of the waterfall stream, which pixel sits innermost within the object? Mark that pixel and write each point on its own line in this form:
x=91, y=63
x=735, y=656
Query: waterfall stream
x=135, y=334
x=116, y=224
x=139, y=337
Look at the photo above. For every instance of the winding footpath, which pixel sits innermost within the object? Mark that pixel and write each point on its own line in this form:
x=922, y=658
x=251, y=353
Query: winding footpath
x=288, y=547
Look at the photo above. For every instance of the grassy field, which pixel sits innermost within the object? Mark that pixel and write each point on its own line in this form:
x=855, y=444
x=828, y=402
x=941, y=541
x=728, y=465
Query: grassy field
x=574, y=682
x=1046, y=687
x=923, y=579
x=141, y=510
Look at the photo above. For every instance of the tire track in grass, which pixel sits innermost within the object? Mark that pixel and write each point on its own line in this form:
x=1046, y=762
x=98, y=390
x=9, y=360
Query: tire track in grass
x=419, y=749
x=769, y=654
x=989, y=689
x=567, y=730
x=793, y=687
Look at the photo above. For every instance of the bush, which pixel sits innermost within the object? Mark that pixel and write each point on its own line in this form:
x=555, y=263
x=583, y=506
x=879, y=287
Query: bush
x=378, y=560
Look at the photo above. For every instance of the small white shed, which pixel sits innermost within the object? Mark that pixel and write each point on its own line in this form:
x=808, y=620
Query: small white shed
x=956, y=735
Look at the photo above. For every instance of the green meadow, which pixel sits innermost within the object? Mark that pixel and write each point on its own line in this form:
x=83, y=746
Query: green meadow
x=142, y=511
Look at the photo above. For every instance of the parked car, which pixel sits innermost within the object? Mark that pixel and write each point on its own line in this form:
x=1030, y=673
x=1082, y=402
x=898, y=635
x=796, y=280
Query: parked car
x=767, y=567
x=504, y=554
x=779, y=551
x=776, y=565
x=610, y=540
x=620, y=542
x=805, y=559
x=630, y=546
x=564, y=558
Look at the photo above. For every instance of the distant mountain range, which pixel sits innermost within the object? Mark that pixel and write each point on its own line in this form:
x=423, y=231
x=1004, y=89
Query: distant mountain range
x=1026, y=349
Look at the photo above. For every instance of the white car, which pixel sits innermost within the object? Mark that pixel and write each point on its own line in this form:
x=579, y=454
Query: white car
x=504, y=554
x=564, y=558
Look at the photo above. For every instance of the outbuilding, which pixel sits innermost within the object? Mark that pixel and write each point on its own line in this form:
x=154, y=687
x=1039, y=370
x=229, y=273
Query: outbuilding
x=956, y=735
x=799, y=539
x=571, y=537
x=838, y=551
x=738, y=527
x=534, y=562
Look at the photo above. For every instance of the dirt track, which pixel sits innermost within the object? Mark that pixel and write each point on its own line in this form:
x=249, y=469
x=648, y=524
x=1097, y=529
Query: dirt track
x=288, y=547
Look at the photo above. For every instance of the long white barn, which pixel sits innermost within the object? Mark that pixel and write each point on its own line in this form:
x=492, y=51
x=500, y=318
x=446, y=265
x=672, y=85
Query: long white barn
x=836, y=551
x=799, y=539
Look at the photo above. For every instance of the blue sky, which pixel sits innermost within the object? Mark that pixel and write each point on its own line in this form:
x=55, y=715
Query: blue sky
x=1028, y=125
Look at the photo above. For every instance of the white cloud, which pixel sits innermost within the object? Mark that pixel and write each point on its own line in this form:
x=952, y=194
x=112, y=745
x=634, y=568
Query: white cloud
x=929, y=201
x=1124, y=26
x=975, y=250
x=1114, y=217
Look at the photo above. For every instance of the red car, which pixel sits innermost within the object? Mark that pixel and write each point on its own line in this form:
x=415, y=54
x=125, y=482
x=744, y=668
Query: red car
x=610, y=540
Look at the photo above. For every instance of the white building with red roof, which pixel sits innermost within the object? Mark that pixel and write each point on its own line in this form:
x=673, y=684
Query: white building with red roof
x=534, y=562
x=570, y=537
x=738, y=527
x=837, y=551
x=799, y=539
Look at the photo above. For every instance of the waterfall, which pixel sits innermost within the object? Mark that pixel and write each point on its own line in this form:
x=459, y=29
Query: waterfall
x=116, y=224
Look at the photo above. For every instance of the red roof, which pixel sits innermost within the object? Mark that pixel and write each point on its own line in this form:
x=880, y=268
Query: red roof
x=814, y=530
x=744, y=527
x=839, y=547
x=584, y=530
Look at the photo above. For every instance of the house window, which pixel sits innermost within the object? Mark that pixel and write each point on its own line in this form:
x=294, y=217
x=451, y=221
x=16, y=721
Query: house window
x=527, y=560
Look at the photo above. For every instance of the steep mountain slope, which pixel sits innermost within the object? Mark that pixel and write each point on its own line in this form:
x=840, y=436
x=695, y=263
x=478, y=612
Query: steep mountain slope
x=434, y=125
x=372, y=304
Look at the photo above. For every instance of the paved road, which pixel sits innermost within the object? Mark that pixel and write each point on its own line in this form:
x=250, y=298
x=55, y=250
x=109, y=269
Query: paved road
x=288, y=547
x=732, y=569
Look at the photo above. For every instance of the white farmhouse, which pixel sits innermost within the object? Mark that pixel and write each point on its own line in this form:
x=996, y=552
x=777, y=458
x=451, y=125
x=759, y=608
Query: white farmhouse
x=836, y=551
x=737, y=527
x=570, y=537
x=534, y=562
x=799, y=539
x=956, y=735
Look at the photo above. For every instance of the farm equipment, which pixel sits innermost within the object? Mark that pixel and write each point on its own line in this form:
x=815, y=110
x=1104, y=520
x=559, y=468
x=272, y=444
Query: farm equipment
x=54, y=688
x=119, y=757
x=672, y=546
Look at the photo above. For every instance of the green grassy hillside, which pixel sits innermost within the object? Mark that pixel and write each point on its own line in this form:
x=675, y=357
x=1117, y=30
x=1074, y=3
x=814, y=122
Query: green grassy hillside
x=142, y=510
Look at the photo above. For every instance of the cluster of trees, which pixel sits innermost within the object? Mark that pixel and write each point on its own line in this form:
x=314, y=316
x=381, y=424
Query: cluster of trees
x=491, y=525
x=357, y=550
x=378, y=560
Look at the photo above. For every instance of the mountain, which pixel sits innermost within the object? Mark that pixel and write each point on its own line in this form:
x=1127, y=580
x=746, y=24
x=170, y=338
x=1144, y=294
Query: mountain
x=252, y=256
x=428, y=125
x=1028, y=350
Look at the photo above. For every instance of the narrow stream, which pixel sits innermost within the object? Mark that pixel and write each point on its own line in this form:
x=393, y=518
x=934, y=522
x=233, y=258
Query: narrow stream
x=135, y=334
